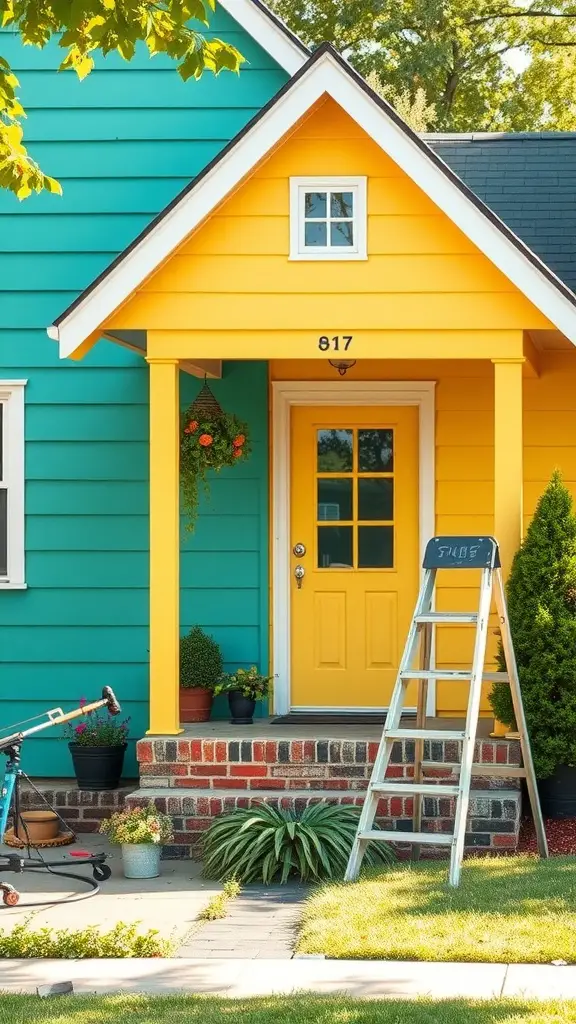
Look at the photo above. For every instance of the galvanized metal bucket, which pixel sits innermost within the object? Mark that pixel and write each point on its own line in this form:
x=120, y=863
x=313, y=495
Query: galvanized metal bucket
x=141, y=860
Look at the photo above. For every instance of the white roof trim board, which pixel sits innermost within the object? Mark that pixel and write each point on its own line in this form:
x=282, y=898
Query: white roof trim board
x=326, y=73
x=267, y=30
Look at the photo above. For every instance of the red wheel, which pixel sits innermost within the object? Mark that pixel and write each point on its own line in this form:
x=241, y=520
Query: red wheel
x=10, y=898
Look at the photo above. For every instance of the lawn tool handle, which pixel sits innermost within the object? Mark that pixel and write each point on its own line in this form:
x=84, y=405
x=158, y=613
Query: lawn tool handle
x=57, y=717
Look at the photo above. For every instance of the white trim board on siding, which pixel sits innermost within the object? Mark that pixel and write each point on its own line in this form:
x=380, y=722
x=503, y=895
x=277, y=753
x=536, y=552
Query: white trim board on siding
x=269, y=31
x=286, y=394
x=12, y=400
x=325, y=74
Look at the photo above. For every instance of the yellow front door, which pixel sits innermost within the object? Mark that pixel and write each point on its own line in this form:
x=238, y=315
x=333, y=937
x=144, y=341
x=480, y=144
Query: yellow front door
x=354, y=528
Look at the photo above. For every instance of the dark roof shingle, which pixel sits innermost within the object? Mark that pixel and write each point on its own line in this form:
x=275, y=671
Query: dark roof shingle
x=529, y=181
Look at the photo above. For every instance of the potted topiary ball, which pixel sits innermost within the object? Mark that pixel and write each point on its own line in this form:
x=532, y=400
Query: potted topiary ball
x=541, y=594
x=200, y=670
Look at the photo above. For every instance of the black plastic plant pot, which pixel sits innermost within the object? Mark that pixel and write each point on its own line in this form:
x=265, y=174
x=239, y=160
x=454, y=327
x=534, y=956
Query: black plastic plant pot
x=241, y=708
x=97, y=767
x=558, y=793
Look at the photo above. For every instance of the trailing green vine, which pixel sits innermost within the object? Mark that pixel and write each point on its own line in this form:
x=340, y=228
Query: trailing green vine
x=209, y=440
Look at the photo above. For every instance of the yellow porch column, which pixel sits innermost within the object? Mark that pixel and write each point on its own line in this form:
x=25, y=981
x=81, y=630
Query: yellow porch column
x=508, y=474
x=508, y=451
x=164, y=546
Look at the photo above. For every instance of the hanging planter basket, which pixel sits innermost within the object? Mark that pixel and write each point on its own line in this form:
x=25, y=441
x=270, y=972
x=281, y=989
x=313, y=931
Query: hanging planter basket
x=209, y=439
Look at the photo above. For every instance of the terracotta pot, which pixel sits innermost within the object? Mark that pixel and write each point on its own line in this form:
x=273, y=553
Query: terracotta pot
x=195, y=704
x=37, y=826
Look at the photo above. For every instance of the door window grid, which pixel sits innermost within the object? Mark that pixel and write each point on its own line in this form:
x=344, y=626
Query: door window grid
x=346, y=448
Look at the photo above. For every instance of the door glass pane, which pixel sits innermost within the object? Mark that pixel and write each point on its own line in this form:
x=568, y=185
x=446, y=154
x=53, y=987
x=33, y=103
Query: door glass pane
x=334, y=451
x=335, y=547
x=335, y=498
x=375, y=547
x=376, y=497
x=341, y=204
x=3, y=532
x=1, y=442
x=375, y=451
x=315, y=204
x=342, y=233
x=315, y=232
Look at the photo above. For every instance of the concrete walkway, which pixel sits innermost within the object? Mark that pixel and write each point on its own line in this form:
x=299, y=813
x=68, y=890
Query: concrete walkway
x=244, y=978
x=261, y=923
x=170, y=903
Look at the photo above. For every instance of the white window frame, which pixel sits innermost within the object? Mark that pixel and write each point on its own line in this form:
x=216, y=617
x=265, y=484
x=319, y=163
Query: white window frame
x=12, y=479
x=298, y=188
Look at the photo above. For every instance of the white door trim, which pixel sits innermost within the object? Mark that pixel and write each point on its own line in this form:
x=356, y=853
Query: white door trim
x=287, y=393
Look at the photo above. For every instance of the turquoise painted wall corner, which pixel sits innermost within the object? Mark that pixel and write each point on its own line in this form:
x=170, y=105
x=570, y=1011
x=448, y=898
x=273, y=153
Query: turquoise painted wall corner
x=123, y=143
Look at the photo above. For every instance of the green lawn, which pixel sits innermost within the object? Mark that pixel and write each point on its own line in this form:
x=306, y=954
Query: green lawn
x=506, y=910
x=276, y=1010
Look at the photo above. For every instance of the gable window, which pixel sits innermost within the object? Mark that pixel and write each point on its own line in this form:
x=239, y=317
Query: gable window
x=328, y=218
x=12, y=484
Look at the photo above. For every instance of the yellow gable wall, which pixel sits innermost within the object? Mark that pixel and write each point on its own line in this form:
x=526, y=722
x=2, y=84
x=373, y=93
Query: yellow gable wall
x=233, y=273
x=235, y=294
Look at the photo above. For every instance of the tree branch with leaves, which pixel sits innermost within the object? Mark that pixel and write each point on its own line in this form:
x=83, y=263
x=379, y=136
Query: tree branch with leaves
x=482, y=65
x=84, y=29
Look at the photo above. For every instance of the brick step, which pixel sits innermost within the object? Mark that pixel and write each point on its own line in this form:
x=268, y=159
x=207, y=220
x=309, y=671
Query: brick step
x=494, y=817
x=81, y=810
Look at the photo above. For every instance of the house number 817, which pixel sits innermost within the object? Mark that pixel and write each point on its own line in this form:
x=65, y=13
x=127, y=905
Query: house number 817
x=339, y=343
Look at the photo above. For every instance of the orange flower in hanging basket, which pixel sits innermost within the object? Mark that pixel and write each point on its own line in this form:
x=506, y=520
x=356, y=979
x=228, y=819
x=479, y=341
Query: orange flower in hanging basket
x=210, y=439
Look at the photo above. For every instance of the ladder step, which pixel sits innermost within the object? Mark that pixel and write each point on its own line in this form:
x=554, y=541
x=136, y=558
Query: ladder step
x=434, y=838
x=423, y=734
x=468, y=617
x=418, y=788
x=496, y=771
x=456, y=675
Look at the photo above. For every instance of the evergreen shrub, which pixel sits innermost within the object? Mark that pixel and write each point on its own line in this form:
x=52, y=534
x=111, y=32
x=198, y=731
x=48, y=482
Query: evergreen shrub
x=541, y=593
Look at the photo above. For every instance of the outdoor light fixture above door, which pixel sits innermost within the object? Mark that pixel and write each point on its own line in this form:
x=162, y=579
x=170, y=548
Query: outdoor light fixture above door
x=342, y=365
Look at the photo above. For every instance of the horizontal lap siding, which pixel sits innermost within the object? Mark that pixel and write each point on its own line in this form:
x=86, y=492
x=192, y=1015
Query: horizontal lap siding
x=123, y=143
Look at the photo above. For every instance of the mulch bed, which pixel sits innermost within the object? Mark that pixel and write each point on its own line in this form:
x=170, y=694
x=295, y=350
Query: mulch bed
x=561, y=835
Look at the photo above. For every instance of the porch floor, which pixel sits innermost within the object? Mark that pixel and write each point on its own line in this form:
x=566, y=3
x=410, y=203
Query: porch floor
x=263, y=729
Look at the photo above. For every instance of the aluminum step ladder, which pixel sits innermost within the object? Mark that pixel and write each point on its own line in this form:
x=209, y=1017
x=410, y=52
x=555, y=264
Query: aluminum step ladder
x=446, y=553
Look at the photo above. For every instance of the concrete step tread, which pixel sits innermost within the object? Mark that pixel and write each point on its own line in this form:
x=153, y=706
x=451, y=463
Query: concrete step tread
x=324, y=794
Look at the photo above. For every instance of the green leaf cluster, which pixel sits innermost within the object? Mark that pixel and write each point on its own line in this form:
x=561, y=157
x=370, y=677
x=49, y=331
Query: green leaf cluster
x=483, y=65
x=88, y=27
x=207, y=442
x=541, y=593
x=122, y=941
x=137, y=825
x=200, y=660
x=272, y=844
x=249, y=681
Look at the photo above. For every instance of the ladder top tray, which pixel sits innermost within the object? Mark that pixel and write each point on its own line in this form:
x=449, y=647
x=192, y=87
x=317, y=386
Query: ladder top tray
x=462, y=553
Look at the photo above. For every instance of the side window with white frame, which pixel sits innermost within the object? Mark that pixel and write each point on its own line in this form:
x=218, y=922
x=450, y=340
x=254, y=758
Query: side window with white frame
x=328, y=218
x=12, y=484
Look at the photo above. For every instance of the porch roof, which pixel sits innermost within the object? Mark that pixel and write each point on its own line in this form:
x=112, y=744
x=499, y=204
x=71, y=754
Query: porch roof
x=325, y=73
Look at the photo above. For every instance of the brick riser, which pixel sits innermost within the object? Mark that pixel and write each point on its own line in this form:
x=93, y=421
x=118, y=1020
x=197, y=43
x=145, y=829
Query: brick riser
x=81, y=810
x=493, y=823
x=268, y=765
x=194, y=780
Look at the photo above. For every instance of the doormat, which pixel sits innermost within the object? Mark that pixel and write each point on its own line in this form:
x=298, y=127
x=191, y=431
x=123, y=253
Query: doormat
x=326, y=718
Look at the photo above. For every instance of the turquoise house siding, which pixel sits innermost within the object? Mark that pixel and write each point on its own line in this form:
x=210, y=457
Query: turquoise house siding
x=123, y=143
